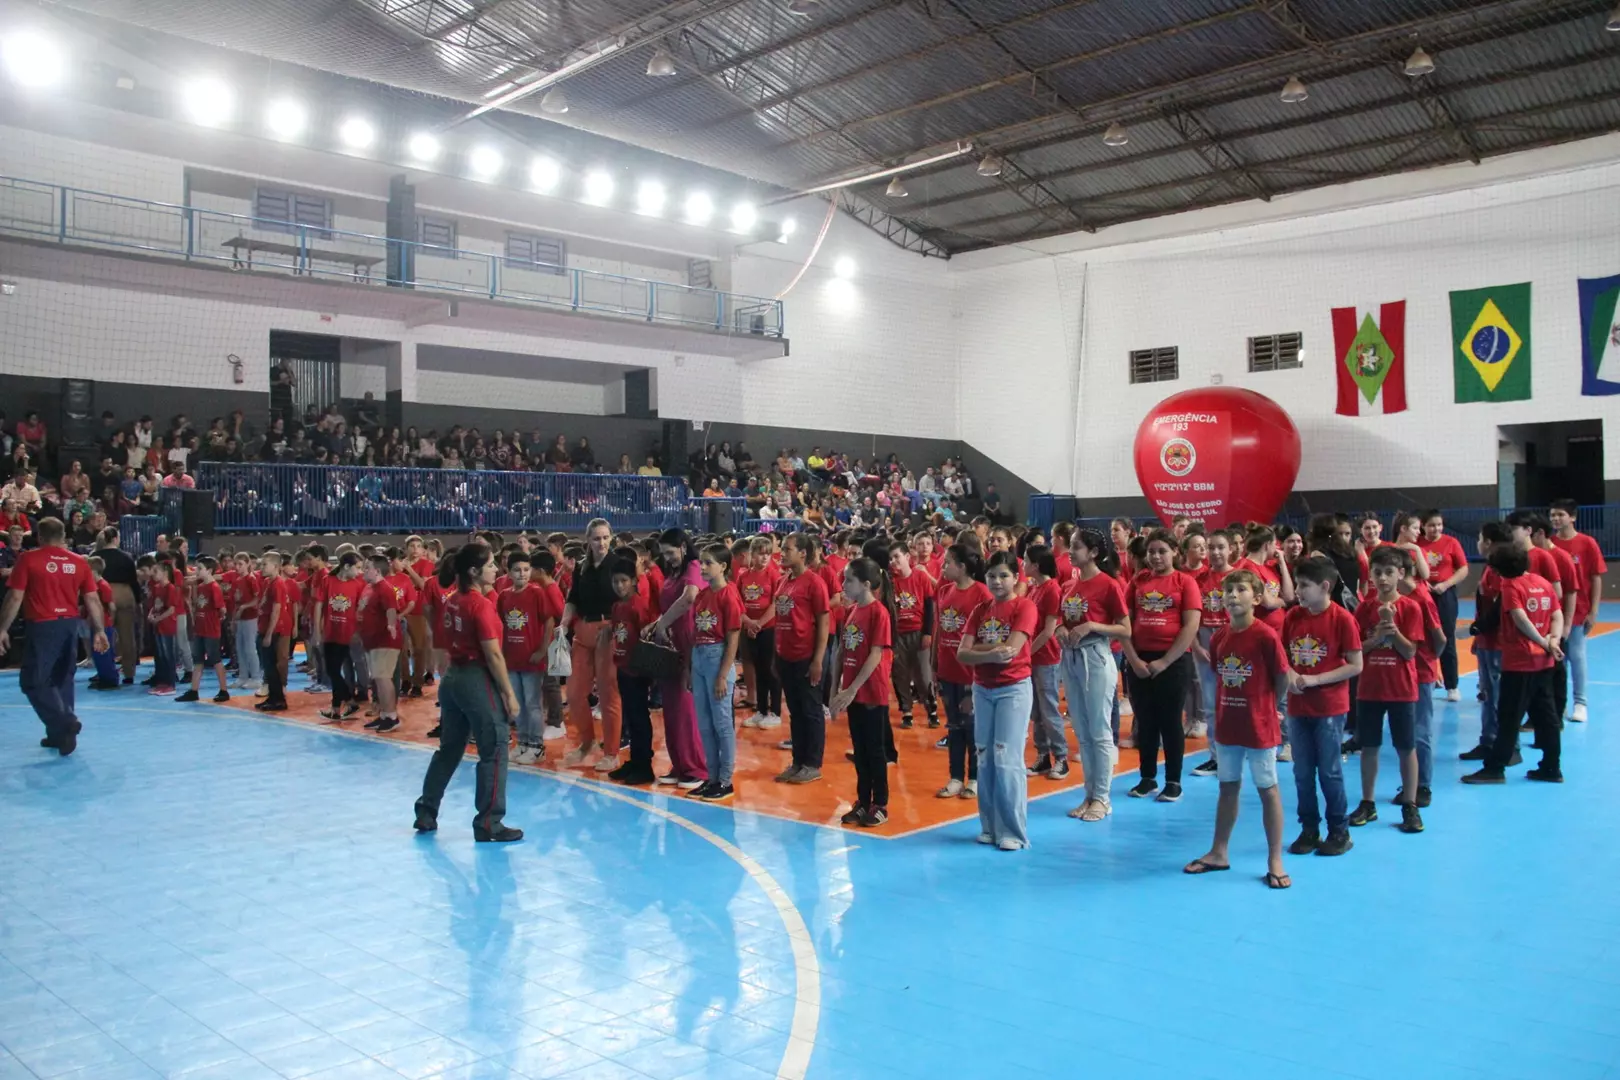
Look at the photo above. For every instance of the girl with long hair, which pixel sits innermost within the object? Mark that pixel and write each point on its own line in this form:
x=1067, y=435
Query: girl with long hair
x=995, y=644
x=1093, y=617
x=683, y=581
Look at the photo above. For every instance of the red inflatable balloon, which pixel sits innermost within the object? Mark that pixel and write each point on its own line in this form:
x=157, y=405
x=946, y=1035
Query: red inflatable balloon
x=1217, y=454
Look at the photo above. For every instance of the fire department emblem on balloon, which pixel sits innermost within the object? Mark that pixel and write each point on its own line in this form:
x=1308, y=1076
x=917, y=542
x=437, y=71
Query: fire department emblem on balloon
x=1178, y=457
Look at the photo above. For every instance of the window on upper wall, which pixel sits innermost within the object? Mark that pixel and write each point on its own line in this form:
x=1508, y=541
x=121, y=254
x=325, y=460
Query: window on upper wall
x=544, y=254
x=700, y=273
x=1155, y=365
x=438, y=233
x=1276, y=352
x=284, y=211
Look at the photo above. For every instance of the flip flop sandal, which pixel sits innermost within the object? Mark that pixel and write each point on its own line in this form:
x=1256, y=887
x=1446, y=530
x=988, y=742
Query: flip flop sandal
x=1278, y=881
x=1199, y=866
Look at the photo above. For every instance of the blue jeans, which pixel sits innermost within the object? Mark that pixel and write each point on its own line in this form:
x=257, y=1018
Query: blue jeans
x=1575, y=657
x=1490, y=677
x=247, y=651
x=1045, y=714
x=1090, y=681
x=526, y=688
x=714, y=716
x=1113, y=715
x=107, y=662
x=1206, y=686
x=1000, y=725
x=1425, y=734
x=50, y=650
x=163, y=657
x=1316, y=742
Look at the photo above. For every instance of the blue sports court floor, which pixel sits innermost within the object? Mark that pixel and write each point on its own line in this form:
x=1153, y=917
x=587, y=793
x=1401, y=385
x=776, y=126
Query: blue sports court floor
x=204, y=894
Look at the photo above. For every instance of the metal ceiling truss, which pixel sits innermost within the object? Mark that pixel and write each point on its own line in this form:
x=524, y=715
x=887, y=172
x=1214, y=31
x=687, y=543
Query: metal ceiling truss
x=1197, y=137
x=891, y=228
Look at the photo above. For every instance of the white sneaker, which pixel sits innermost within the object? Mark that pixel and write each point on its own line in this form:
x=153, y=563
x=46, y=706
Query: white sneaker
x=1578, y=714
x=1197, y=730
x=553, y=732
x=515, y=754
x=950, y=790
x=261, y=691
x=769, y=720
x=596, y=713
x=607, y=763
x=1453, y=695
x=826, y=714
x=752, y=721
x=970, y=790
x=577, y=756
x=1125, y=707
x=1286, y=753
x=785, y=744
x=85, y=665
x=1127, y=743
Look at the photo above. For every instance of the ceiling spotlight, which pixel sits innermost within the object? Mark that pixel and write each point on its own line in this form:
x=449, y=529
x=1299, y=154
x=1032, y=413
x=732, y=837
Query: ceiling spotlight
x=844, y=267
x=209, y=101
x=1419, y=63
x=423, y=146
x=1614, y=21
x=555, y=103
x=598, y=187
x=990, y=165
x=544, y=174
x=802, y=7
x=357, y=133
x=33, y=60
x=650, y=197
x=744, y=217
x=699, y=208
x=285, y=119
x=1116, y=135
x=785, y=229
x=896, y=189
x=1294, y=91
x=662, y=65
x=485, y=161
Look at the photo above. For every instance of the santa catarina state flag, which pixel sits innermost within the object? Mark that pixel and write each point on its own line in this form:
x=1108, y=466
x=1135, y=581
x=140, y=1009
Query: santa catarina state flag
x=1490, y=333
x=1371, y=355
x=1600, y=336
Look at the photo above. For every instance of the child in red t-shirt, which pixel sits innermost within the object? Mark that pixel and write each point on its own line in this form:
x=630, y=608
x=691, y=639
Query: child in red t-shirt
x=1252, y=676
x=207, y=626
x=1220, y=548
x=1094, y=617
x=527, y=624
x=755, y=577
x=164, y=617
x=865, y=641
x=912, y=590
x=1046, y=593
x=630, y=614
x=1391, y=626
x=961, y=593
x=1430, y=646
x=716, y=625
x=337, y=612
x=1165, y=611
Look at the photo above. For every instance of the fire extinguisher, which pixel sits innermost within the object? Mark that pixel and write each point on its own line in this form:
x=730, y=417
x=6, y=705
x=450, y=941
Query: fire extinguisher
x=236, y=368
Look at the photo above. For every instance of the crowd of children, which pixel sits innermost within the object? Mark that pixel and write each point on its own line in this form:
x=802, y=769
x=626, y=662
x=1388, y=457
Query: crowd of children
x=1272, y=644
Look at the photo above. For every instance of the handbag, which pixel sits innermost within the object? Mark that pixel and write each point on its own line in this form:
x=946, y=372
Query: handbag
x=655, y=660
x=559, y=657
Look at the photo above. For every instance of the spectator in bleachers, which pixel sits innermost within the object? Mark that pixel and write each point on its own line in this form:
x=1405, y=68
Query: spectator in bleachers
x=650, y=468
x=12, y=516
x=584, y=458
x=625, y=467
x=31, y=432
x=558, y=457
x=178, y=477
x=20, y=489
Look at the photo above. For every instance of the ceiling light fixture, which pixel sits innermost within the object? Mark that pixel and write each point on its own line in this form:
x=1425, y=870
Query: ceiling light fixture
x=1614, y=21
x=699, y=208
x=485, y=161
x=785, y=229
x=357, y=133
x=209, y=101
x=844, y=267
x=1116, y=135
x=423, y=147
x=867, y=178
x=802, y=7
x=286, y=119
x=555, y=103
x=598, y=187
x=1294, y=91
x=744, y=216
x=1419, y=63
x=990, y=165
x=662, y=64
x=896, y=189
x=33, y=59
x=544, y=174
x=650, y=197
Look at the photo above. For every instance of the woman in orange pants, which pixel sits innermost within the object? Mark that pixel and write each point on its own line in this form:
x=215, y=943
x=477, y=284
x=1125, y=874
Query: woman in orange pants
x=588, y=615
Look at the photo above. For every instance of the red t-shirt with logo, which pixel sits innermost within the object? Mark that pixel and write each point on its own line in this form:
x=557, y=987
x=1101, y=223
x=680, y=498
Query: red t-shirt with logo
x=51, y=580
x=1445, y=557
x=1157, y=605
x=207, y=610
x=168, y=598
x=834, y=580
x=799, y=600
x=339, y=608
x=1587, y=559
x=245, y=590
x=428, y=571
x=1048, y=600
x=1428, y=664
x=1210, y=590
x=433, y=608
x=1315, y=645
x=105, y=595
x=862, y=629
x=993, y=624
x=757, y=588
x=1099, y=599
x=1247, y=664
x=1385, y=674
x=1271, y=583
x=629, y=616
x=523, y=613
x=1535, y=596
x=910, y=597
x=405, y=591
x=936, y=563
x=1568, y=577
x=953, y=607
x=469, y=620
x=716, y=613
x=381, y=597
x=1065, y=567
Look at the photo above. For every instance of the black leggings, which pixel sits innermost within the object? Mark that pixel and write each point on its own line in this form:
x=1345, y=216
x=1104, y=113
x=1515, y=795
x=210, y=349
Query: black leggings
x=1157, y=703
x=340, y=670
x=806, y=722
x=767, y=690
x=1446, y=602
x=867, y=723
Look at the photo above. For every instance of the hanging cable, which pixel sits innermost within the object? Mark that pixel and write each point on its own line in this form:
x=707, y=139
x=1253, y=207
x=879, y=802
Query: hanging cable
x=826, y=223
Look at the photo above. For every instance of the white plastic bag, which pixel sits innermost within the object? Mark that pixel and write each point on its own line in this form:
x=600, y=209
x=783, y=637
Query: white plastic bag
x=559, y=657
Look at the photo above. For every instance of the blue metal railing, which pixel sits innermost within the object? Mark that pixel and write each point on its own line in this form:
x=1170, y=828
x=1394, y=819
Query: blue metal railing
x=194, y=234
x=343, y=498
x=138, y=533
x=1601, y=522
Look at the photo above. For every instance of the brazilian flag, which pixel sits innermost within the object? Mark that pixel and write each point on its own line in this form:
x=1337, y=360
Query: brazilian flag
x=1490, y=333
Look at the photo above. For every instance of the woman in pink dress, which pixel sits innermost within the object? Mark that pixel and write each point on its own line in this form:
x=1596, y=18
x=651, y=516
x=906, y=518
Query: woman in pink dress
x=683, y=581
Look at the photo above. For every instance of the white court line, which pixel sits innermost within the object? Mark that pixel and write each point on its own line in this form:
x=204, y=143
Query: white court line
x=806, y=965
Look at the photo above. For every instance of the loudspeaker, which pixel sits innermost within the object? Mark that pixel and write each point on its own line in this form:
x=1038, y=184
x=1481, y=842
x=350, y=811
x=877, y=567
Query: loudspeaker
x=197, y=513
x=77, y=427
x=721, y=518
x=638, y=395
x=1064, y=508
x=400, y=223
x=675, y=447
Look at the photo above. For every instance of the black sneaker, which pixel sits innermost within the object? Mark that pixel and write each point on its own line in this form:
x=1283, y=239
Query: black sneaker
x=1527, y=726
x=427, y=680
x=1545, y=775
x=905, y=723
x=719, y=793
x=373, y=725
x=1425, y=797
x=351, y=708
x=1060, y=770
x=849, y=755
x=853, y=817
x=1308, y=841
x=1042, y=766
x=1351, y=746
x=426, y=820
x=944, y=743
x=933, y=721
x=632, y=774
x=1143, y=789
x=386, y=723
x=1411, y=820
x=505, y=834
x=1517, y=759
x=433, y=732
x=273, y=706
x=1476, y=754
x=1485, y=776
x=702, y=790
x=1363, y=813
x=189, y=695
x=1337, y=843
x=222, y=696
x=1171, y=792
x=1206, y=768
x=48, y=743
x=872, y=817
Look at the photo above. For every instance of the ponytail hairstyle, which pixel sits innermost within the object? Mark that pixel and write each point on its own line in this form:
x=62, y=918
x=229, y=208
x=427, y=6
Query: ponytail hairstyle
x=1101, y=548
x=678, y=538
x=446, y=573
x=876, y=551
x=969, y=558
x=469, y=563
x=869, y=572
x=1041, y=558
x=1136, y=551
x=721, y=554
x=1003, y=558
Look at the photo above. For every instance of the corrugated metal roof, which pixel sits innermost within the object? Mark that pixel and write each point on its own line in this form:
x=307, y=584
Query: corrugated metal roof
x=865, y=84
